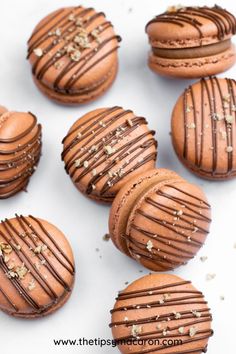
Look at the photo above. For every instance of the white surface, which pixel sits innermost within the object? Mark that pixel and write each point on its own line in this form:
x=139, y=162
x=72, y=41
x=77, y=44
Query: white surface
x=52, y=196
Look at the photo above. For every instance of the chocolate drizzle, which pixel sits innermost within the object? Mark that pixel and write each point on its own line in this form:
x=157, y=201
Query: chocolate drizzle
x=19, y=156
x=217, y=96
x=107, y=146
x=25, y=236
x=224, y=21
x=177, y=224
x=159, y=312
x=70, y=43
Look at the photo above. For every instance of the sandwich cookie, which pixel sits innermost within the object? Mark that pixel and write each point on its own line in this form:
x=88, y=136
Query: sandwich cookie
x=191, y=42
x=105, y=148
x=36, y=267
x=73, y=53
x=161, y=313
x=160, y=220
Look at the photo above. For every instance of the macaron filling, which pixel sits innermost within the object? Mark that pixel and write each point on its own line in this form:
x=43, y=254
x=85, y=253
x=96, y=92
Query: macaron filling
x=196, y=52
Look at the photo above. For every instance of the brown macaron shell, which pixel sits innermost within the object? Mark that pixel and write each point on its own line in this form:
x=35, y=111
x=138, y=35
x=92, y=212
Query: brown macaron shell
x=36, y=267
x=20, y=150
x=191, y=42
x=161, y=307
x=204, y=128
x=160, y=220
x=73, y=53
x=105, y=148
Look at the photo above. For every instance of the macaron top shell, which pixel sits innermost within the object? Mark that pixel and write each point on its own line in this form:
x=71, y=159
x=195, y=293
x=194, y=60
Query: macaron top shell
x=163, y=307
x=161, y=220
x=107, y=147
x=204, y=128
x=190, y=27
x=36, y=267
x=73, y=49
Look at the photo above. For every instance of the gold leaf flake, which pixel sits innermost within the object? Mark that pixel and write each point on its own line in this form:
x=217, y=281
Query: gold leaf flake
x=136, y=330
x=75, y=56
x=192, y=331
x=31, y=285
x=191, y=125
x=229, y=149
x=229, y=119
x=109, y=149
x=149, y=245
x=196, y=313
x=38, y=52
x=77, y=163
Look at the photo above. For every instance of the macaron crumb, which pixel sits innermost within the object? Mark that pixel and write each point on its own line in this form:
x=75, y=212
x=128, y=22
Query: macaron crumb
x=210, y=276
x=106, y=237
x=203, y=258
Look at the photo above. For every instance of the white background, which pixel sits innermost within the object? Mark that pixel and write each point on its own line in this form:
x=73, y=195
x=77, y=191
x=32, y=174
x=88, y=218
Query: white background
x=51, y=195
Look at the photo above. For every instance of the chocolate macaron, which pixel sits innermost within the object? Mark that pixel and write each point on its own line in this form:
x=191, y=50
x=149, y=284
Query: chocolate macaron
x=159, y=219
x=20, y=150
x=191, y=42
x=105, y=148
x=204, y=128
x=36, y=267
x=161, y=313
x=73, y=53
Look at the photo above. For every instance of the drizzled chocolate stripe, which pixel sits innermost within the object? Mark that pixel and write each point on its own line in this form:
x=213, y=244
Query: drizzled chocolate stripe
x=70, y=32
x=30, y=265
x=186, y=15
x=20, y=161
x=187, y=302
x=148, y=335
x=97, y=131
x=11, y=236
x=167, y=241
x=59, y=24
x=19, y=287
x=155, y=255
x=8, y=299
x=60, y=34
x=164, y=317
x=167, y=251
x=146, y=292
x=228, y=128
x=99, y=124
x=211, y=89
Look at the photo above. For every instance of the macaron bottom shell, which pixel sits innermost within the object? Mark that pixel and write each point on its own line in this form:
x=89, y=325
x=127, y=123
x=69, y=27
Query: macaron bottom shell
x=89, y=95
x=204, y=174
x=49, y=311
x=194, y=67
